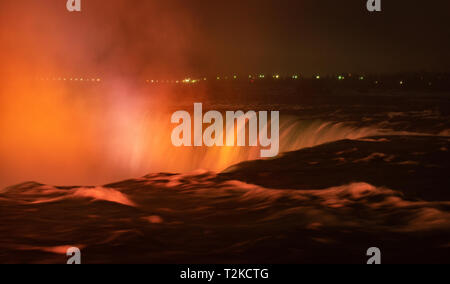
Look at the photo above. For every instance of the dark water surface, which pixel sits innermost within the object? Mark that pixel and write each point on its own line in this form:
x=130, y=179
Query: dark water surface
x=325, y=203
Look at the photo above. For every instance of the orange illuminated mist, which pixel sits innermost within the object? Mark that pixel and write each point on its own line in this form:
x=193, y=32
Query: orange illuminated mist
x=71, y=112
x=68, y=113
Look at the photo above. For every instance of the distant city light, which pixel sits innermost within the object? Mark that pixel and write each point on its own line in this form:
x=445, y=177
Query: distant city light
x=61, y=78
x=235, y=76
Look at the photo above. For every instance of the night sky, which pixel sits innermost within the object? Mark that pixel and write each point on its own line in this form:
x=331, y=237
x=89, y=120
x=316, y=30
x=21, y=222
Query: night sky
x=204, y=37
x=326, y=36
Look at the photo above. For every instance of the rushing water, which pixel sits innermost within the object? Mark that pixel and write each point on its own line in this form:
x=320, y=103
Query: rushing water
x=360, y=177
x=208, y=217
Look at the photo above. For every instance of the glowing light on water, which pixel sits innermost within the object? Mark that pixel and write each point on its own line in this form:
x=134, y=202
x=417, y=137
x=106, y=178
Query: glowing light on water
x=119, y=136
